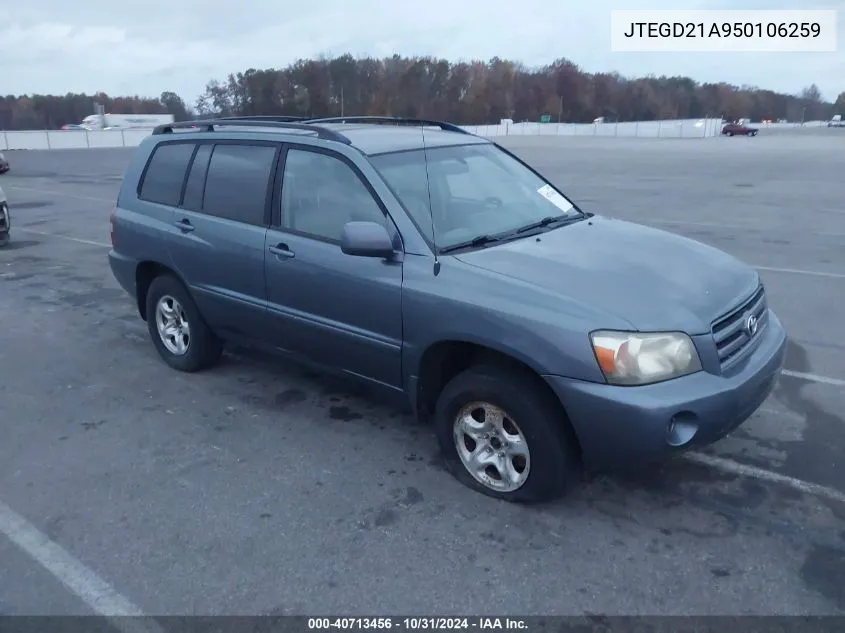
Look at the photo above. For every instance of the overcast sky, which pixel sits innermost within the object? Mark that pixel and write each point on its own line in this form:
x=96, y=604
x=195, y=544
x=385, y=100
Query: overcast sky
x=148, y=46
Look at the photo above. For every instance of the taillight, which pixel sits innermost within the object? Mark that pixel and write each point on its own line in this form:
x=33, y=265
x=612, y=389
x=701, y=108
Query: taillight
x=112, y=220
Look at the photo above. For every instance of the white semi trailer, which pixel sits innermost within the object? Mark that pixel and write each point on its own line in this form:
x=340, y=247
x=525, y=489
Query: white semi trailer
x=125, y=121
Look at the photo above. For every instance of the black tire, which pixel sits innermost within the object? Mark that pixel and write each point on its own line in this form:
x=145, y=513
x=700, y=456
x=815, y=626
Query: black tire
x=204, y=348
x=730, y=133
x=753, y=133
x=555, y=463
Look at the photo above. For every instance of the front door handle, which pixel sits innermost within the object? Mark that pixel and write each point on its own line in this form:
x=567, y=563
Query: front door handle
x=281, y=250
x=184, y=225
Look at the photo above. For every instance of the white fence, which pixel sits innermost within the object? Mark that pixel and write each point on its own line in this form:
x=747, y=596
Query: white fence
x=680, y=128
x=71, y=139
x=676, y=128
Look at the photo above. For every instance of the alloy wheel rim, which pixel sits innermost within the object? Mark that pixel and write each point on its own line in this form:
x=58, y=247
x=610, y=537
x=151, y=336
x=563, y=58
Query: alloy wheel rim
x=172, y=325
x=491, y=446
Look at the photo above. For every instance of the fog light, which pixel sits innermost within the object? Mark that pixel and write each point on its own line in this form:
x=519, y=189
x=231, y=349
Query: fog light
x=682, y=429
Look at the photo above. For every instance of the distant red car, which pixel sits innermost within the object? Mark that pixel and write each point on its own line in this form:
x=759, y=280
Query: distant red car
x=737, y=128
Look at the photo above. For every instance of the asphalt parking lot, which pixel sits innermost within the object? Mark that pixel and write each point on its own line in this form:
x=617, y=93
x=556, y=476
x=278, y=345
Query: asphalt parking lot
x=260, y=488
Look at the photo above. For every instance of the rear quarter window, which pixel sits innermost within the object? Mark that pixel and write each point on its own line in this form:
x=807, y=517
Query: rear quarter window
x=165, y=173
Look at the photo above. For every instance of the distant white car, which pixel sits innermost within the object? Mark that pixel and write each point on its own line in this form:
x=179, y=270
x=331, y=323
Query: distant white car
x=5, y=222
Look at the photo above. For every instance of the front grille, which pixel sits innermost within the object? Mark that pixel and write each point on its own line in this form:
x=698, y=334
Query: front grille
x=730, y=332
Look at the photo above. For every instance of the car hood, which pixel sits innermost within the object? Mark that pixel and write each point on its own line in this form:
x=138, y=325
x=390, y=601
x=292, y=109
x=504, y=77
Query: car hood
x=650, y=278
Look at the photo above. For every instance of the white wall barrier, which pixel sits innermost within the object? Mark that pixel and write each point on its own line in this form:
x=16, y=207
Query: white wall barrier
x=679, y=128
x=70, y=139
x=676, y=128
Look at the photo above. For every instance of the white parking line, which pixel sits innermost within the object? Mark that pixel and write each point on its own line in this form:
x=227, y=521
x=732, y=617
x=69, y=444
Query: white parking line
x=796, y=271
x=740, y=227
x=104, y=600
x=736, y=468
x=817, y=273
x=836, y=382
x=101, y=597
x=826, y=380
x=64, y=237
x=61, y=194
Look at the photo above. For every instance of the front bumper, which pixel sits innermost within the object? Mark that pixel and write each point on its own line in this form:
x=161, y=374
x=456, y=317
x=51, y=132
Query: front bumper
x=620, y=426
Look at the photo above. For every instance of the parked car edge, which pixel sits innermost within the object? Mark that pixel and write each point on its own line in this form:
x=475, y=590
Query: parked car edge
x=5, y=219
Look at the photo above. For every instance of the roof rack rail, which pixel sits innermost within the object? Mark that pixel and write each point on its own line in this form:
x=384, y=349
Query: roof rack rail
x=208, y=125
x=448, y=127
x=280, y=118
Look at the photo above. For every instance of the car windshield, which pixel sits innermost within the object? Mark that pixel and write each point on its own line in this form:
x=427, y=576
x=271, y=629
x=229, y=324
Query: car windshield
x=475, y=191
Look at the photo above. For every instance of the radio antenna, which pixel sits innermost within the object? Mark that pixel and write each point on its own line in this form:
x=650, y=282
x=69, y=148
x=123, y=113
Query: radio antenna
x=430, y=207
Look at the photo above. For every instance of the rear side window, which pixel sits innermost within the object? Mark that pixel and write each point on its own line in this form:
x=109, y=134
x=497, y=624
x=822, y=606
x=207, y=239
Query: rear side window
x=237, y=182
x=196, y=179
x=166, y=173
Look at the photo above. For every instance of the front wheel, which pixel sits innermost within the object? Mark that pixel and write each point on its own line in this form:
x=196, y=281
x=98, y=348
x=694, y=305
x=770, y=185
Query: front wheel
x=505, y=436
x=177, y=329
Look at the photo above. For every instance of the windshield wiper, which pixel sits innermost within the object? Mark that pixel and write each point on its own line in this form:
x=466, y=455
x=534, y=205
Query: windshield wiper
x=481, y=240
x=551, y=219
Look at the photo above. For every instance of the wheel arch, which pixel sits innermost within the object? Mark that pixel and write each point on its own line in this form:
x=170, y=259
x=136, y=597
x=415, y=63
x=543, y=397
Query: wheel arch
x=145, y=273
x=443, y=360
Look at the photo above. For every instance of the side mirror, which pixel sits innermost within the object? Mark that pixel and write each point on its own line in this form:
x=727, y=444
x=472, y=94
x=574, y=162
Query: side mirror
x=366, y=239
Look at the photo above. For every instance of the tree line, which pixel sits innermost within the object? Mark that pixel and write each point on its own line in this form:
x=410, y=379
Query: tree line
x=469, y=93
x=50, y=112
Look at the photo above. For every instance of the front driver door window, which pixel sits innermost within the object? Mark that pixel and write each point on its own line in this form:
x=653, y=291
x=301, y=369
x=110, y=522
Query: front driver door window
x=322, y=193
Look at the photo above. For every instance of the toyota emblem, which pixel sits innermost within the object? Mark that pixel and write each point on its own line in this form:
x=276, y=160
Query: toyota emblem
x=751, y=325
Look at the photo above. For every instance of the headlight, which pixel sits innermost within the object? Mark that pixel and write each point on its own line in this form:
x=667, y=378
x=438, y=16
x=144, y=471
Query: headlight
x=631, y=358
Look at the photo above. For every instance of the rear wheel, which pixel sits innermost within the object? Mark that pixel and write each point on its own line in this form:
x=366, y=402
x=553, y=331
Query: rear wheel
x=503, y=435
x=730, y=133
x=177, y=329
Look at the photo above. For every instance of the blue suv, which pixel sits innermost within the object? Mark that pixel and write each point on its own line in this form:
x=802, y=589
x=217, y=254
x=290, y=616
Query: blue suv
x=435, y=265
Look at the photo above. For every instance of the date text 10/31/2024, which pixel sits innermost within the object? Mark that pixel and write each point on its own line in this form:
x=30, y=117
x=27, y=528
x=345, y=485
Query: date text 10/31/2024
x=417, y=623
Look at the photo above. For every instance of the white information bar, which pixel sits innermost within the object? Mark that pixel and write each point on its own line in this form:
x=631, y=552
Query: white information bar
x=800, y=31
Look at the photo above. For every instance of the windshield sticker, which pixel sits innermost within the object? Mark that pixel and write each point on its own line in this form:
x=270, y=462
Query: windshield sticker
x=555, y=198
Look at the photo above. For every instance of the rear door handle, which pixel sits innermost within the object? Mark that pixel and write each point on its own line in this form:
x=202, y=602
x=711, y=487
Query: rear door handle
x=184, y=225
x=281, y=250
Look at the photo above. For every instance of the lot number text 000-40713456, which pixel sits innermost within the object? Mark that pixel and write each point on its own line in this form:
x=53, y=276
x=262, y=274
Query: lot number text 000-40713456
x=416, y=623
x=723, y=31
